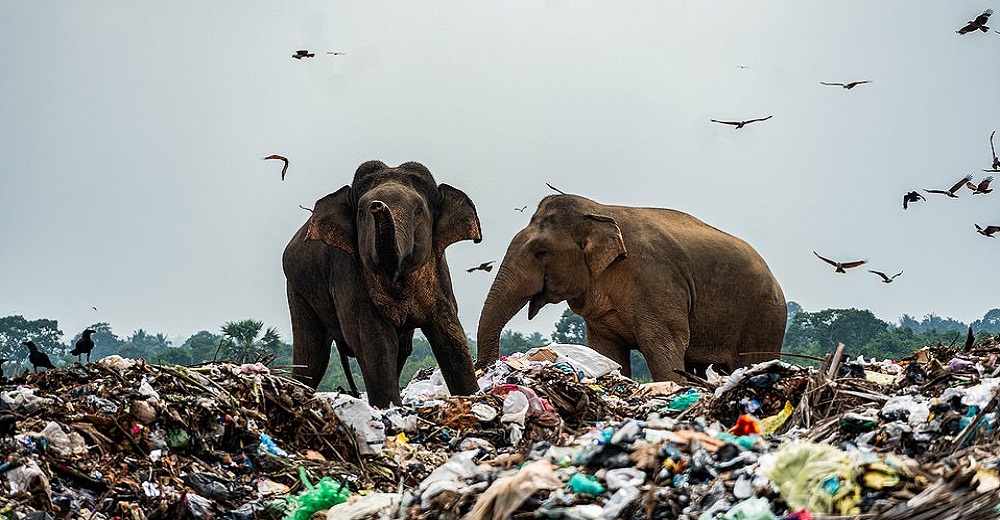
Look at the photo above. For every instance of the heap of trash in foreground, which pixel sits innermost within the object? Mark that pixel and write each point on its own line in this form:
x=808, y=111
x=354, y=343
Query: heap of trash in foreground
x=556, y=432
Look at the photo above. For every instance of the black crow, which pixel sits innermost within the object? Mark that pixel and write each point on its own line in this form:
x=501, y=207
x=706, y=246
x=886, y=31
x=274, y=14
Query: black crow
x=84, y=345
x=303, y=53
x=37, y=357
x=485, y=266
x=912, y=197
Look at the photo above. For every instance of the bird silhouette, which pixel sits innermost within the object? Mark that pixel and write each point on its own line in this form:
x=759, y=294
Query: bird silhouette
x=840, y=266
x=37, y=357
x=8, y=426
x=521, y=209
x=996, y=160
x=978, y=24
x=281, y=158
x=982, y=187
x=987, y=231
x=912, y=197
x=485, y=266
x=336, y=53
x=951, y=191
x=886, y=279
x=742, y=67
x=84, y=345
x=303, y=53
x=741, y=124
x=847, y=86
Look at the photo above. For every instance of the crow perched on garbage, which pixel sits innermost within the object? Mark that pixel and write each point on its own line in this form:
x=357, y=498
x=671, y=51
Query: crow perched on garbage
x=912, y=197
x=951, y=191
x=84, y=345
x=37, y=357
x=978, y=24
x=8, y=426
x=840, y=266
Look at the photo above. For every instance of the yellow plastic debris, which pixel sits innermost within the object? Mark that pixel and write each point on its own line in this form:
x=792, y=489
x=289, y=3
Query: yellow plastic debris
x=773, y=423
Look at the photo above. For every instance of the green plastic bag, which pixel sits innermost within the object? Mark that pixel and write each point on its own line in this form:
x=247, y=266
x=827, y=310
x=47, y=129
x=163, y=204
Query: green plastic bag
x=325, y=494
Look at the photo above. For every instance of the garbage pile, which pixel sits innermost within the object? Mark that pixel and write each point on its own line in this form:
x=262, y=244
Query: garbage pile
x=556, y=432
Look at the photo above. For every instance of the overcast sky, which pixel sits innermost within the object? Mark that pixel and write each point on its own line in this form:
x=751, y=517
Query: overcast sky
x=131, y=137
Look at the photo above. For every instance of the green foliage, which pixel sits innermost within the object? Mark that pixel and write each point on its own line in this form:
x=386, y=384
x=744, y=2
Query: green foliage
x=570, y=329
x=203, y=346
x=244, y=343
x=793, y=309
x=142, y=344
x=15, y=330
x=512, y=341
x=990, y=323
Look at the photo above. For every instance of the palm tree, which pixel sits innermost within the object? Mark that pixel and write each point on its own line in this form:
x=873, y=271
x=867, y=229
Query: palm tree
x=243, y=342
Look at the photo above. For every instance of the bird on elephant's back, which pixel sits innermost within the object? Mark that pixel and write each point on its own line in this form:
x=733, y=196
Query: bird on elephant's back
x=368, y=268
x=660, y=281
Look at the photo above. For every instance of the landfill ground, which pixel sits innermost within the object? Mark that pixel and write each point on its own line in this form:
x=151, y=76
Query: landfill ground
x=555, y=433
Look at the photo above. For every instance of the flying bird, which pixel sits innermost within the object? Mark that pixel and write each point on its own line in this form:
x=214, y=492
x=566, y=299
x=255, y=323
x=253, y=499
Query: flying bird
x=912, y=197
x=303, y=53
x=521, y=209
x=840, y=266
x=741, y=124
x=84, y=345
x=886, y=279
x=996, y=161
x=978, y=24
x=951, y=191
x=988, y=231
x=37, y=357
x=485, y=266
x=847, y=86
x=282, y=159
x=95, y=308
x=335, y=53
x=982, y=187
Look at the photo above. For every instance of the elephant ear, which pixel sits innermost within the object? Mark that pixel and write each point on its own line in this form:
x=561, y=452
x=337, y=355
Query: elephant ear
x=332, y=220
x=456, y=219
x=603, y=243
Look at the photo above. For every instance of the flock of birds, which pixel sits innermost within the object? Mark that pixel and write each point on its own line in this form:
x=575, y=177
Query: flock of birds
x=983, y=187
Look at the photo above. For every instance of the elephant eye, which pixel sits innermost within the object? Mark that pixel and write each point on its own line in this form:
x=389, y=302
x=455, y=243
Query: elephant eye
x=541, y=253
x=418, y=211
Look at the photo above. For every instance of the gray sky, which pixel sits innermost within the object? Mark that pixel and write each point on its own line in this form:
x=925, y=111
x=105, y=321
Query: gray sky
x=132, y=135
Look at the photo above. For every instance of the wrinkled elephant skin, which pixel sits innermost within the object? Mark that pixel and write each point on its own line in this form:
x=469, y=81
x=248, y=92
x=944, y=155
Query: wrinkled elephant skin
x=662, y=282
x=368, y=268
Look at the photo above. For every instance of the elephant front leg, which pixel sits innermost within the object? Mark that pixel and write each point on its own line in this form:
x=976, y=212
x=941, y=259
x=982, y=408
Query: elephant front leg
x=664, y=350
x=310, y=342
x=451, y=350
x=377, y=354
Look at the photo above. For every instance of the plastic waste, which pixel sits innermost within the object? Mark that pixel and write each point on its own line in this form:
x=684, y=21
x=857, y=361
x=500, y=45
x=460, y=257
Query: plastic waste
x=459, y=467
x=915, y=410
x=515, y=408
x=418, y=391
x=506, y=494
x=28, y=478
x=747, y=425
x=57, y=439
x=198, y=506
x=757, y=508
x=581, y=357
x=267, y=444
x=324, y=494
x=23, y=400
x=364, y=507
x=624, y=477
x=773, y=423
x=618, y=502
x=359, y=418
x=586, y=484
x=816, y=477
x=685, y=400
x=209, y=486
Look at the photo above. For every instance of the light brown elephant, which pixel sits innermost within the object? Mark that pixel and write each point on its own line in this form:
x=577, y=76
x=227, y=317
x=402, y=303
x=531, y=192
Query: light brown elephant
x=659, y=281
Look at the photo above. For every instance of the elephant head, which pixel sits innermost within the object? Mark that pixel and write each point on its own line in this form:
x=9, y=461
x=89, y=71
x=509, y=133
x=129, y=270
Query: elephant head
x=394, y=219
x=567, y=244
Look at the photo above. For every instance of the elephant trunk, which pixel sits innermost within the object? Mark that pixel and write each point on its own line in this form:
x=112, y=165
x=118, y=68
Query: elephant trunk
x=387, y=256
x=515, y=284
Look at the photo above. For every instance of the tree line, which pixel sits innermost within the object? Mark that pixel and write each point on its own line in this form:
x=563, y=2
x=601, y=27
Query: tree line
x=248, y=340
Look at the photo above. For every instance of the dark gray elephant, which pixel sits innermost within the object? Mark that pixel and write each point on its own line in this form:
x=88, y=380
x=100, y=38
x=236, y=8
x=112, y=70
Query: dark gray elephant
x=658, y=281
x=368, y=268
